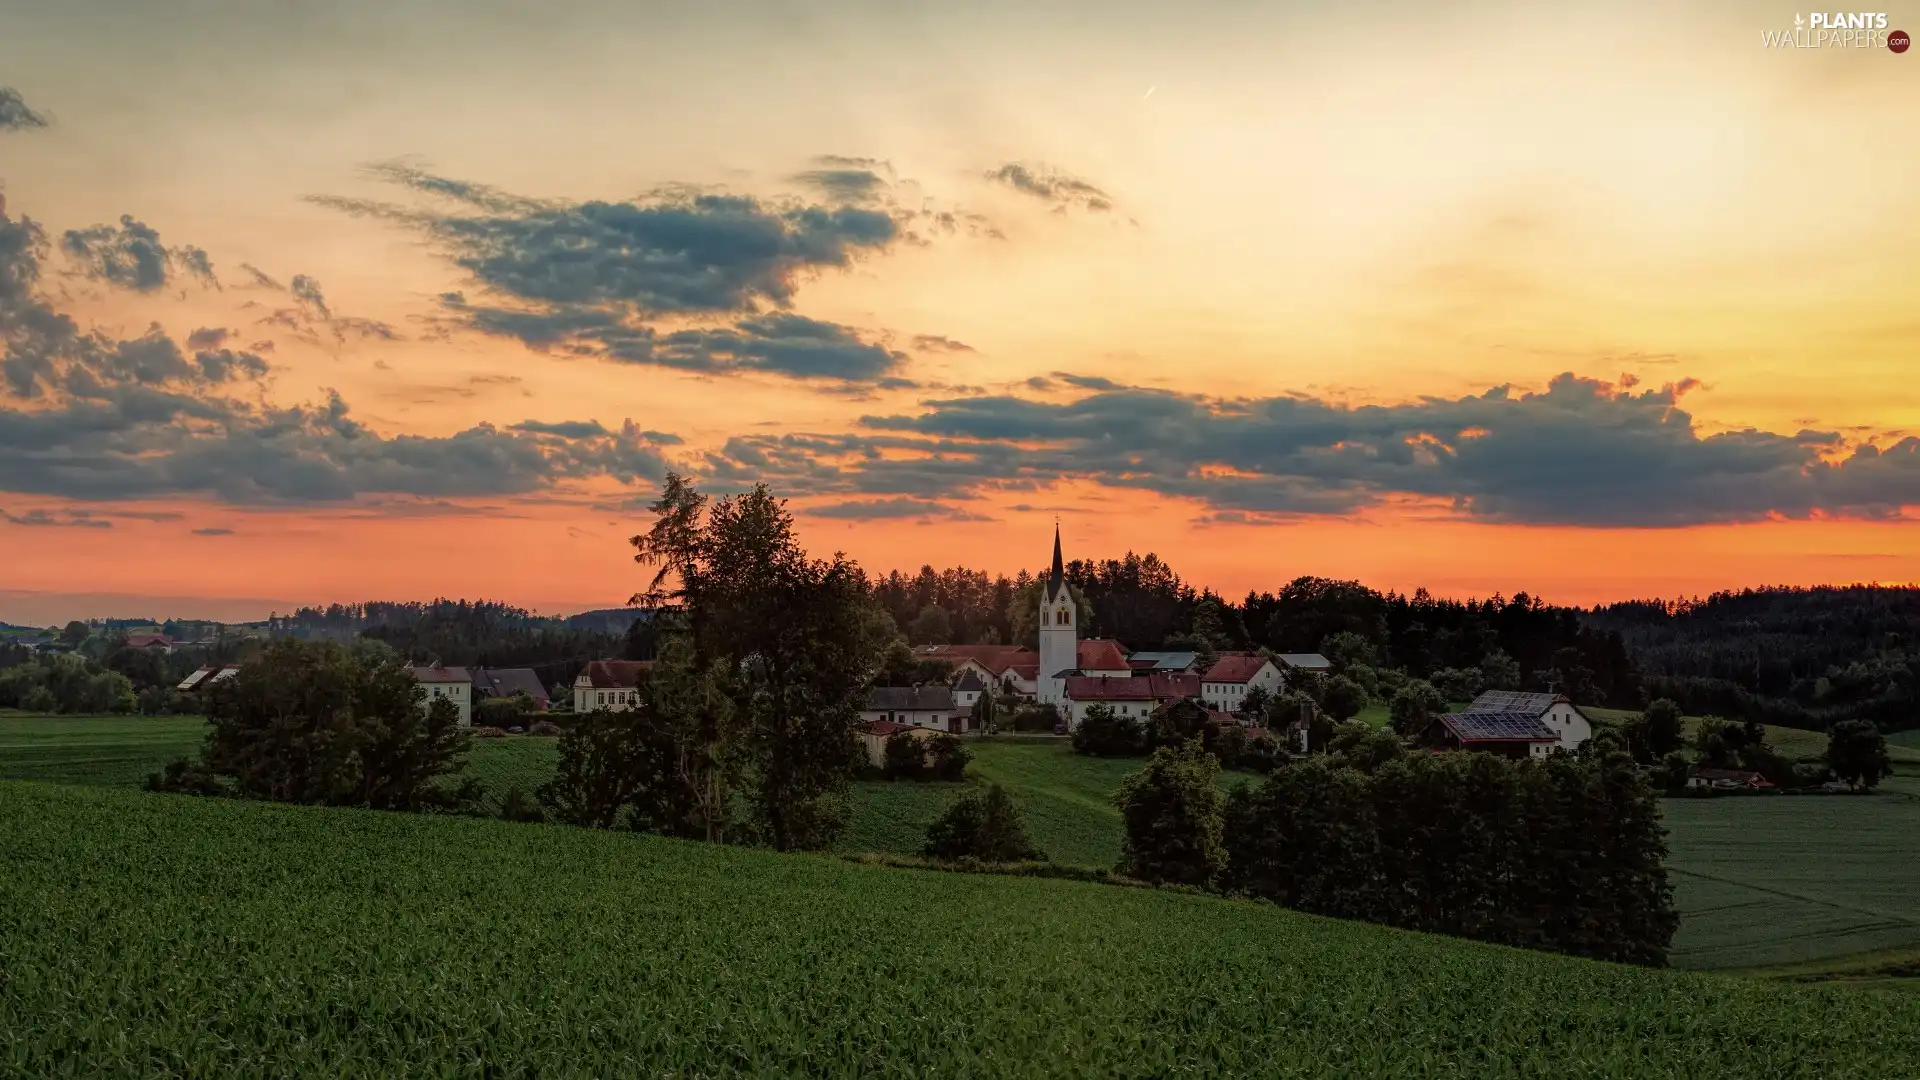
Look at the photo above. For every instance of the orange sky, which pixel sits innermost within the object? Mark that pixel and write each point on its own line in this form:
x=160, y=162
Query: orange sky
x=1381, y=204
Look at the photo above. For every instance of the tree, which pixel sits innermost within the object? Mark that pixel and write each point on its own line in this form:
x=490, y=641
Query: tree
x=786, y=640
x=1415, y=706
x=1710, y=741
x=1254, y=705
x=931, y=627
x=947, y=759
x=1457, y=684
x=1661, y=727
x=1857, y=753
x=1498, y=671
x=906, y=756
x=1342, y=698
x=1363, y=746
x=1347, y=649
x=606, y=761
x=313, y=722
x=986, y=712
x=1172, y=813
x=985, y=826
x=75, y=633
x=1105, y=733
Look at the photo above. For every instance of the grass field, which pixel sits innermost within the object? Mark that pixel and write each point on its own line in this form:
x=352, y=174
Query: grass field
x=160, y=935
x=1759, y=882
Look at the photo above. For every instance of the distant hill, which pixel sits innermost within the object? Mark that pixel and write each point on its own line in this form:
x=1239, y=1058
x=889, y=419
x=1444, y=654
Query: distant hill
x=606, y=620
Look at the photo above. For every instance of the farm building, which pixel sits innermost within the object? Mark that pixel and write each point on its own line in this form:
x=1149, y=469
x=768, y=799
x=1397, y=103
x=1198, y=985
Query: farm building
x=1134, y=698
x=1701, y=778
x=1508, y=734
x=207, y=676
x=453, y=683
x=507, y=682
x=1556, y=711
x=610, y=684
x=929, y=707
x=875, y=733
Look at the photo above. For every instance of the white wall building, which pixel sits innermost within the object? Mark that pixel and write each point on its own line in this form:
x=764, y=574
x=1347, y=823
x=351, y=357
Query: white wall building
x=930, y=707
x=1557, y=711
x=1226, y=684
x=453, y=683
x=610, y=684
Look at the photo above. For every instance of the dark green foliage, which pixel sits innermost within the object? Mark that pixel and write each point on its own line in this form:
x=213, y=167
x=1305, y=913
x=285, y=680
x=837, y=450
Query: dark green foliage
x=1857, y=753
x=1363, y=746
x=947, y=758
x=1415, y=707
x=986, y=712
x=1105, y=733
x=1456, y=684
x=312, y=722
x=1564, y=855
x=504, y=712
x=1172, y=814
x=1263, y=754
x=986, y=826
x=1342, y=698
x=905, y=756
x=619, y=770
x=1661, y=727
x=1253, y=707
x=515, y=806
x=1032, y=716
x=182, y=776
x=1227, y=742
x=65, y=683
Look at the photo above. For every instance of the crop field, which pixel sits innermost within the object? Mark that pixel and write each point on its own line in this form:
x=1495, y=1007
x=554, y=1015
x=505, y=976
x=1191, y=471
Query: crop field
x=162, y=935
x=114, y=751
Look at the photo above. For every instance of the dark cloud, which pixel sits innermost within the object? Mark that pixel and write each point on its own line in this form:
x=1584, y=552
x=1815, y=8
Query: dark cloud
x=1055, y=188
x=848, y=179
x=939, y=343
x=207, y=337
x=1087, y=382
x=681, y=278
x=77, y=519
x=571, y=429
x=131, y=256
x=261, y=278
x=213, y=532
x=142, y=417
x=882, y=509
x=14, y=113
x=1582, y=452
x=307, y=291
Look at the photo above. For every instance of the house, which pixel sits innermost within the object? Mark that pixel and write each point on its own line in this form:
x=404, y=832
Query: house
x=1133, y=699
x=1310, y=662
x=1508, y=734
x=928, y=707
x=1012, y=669
x=150, y=641
x=968, y=688
x=1164, y=662
x=1702, y=778
x=1226, y=684
x=1100, y=658
x=610, y=684
x=875, y=733
x=1561, y=715
x=207, y=676
x=507, y=682
x=453, y=683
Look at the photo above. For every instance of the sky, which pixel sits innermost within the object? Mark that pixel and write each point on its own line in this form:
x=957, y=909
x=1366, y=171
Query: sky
x=315, y=303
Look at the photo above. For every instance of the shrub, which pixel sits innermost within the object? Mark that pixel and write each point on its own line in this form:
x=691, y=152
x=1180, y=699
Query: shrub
x=1227, y=743
x=906, y=756
x=1415, y=706
x=516, y=806
x=1172, y=813
x=1105, y=733
x=1343, y=698
x=986, y=826
x=947, y=758
x=1857, y=753
x=544, y=727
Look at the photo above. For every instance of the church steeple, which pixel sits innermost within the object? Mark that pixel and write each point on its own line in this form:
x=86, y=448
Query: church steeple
x=1059, y=572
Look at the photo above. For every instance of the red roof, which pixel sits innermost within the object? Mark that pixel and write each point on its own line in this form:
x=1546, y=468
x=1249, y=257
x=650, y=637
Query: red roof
x=1132, y=688
x=617, y=674
x=441, y=674
x=996, y=659
x=1099, y=654
x=883, y=728
x=142, y=641
x=1234, y=669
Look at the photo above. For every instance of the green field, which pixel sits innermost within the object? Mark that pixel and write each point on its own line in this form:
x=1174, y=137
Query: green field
x=1759, y=881
x=151, y=935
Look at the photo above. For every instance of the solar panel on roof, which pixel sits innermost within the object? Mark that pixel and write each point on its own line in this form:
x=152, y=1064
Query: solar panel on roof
x=1497, y=726
x=1512, y=701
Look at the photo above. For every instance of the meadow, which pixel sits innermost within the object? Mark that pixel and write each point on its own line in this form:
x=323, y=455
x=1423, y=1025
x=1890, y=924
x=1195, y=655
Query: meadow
x=164, y=935
x=1759, y=882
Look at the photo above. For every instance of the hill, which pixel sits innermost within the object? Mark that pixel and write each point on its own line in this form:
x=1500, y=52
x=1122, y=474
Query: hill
x=228, y=938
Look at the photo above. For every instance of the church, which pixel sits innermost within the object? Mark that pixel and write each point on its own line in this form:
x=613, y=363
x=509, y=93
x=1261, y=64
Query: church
x=1062, y=654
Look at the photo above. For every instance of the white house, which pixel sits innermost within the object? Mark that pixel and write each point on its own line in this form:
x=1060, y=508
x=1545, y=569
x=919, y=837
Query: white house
x=968, y=688
x=452, y=683
x=1226, y=684
x=1134, y=699
x=930, y=707
x=1010, y=669
x=1311, y=662
x=610, y=684
x=1561, y=716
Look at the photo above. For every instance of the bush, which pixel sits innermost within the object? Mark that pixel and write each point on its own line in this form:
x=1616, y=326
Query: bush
x=1105, y=733
x=1172, y=813
x=1343, y=698
x=1414, y=707
x=906, y=756
x=504, y=712
x=1227, y=743
x=984, y=826
x=1857, y=753
x=618, y=769
x=489, y=733
x=544, y=727
x=516, y=806
x=1035, y=716
x=947, y=758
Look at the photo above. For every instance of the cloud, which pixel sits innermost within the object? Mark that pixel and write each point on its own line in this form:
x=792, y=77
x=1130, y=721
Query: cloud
x=208, y=337
x=107, y=418
x=14, y=113
x=682, y=278
x=847, y=180
x=1581, y=452
x=882, y=509
x=261, y=279
x=131, y=256
x=77, y=519
x=939, y=343
x=1049, y=185
x=213, y=532
x=571, y=429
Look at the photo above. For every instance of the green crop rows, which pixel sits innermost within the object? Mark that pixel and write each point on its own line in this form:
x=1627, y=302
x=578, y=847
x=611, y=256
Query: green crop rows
x=148, y=935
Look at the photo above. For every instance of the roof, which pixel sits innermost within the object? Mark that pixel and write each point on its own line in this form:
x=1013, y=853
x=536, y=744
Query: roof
x=1101, y=654
x=1234, y=669
x=1515, y=701
x=910, y=699
x=440, y=674
x=1163, y=661
x=1056, y=577
x=202, y=674
x=996, y=659
x=970, y=682
x=508, y=681
x=1739, y=776
x=1476, y=726
x=883, y=728
x=617, y=674
x=1306, y=661
x=147, y=641
x=1137, y=688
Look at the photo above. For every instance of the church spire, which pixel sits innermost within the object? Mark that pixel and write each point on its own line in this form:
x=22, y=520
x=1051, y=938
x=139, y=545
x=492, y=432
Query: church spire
x=1059, y=573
